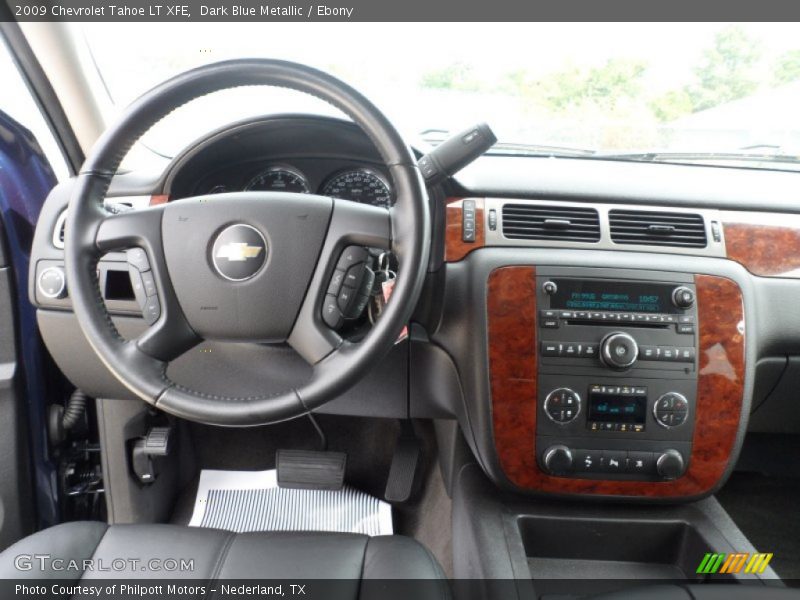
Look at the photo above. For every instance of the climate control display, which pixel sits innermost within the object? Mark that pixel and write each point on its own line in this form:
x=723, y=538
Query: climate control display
x=617, y=408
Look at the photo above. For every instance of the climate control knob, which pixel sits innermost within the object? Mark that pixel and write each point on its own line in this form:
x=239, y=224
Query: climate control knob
x=562, y=405
x=558, y=459
x=618, y=350
x=670, y=464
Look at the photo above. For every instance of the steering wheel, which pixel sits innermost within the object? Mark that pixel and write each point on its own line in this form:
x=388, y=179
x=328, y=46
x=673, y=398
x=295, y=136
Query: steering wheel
x=244, y=267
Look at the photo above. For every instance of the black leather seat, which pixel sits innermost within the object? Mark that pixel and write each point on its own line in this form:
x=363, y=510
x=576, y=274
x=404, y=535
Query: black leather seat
x=223, y=555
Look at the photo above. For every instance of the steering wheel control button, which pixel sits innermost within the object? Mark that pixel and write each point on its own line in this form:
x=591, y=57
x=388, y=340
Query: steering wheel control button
x=152, y=310
x=331, y=314
x=337, y=279
x=350, y=256
x=683, y=297
x=363, y=294
x=562, y=405
x=359, y=305
x=619, y=350
x=352, y=301
x=345, y=298
x=354, y=275
x=239, y=252
x=53, y=283
x=149, y=284
x=349, y=289
x=138, y=258
x=671, y=410
x=558, y=459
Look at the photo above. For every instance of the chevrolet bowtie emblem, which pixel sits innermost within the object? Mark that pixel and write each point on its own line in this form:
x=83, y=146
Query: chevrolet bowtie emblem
x=237, y=251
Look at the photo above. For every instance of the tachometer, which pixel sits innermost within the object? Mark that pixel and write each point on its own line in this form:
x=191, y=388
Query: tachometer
x=360, y=185
x=279, y=179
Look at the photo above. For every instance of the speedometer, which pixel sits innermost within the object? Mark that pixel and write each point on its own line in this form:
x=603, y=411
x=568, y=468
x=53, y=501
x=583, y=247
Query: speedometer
x=360, y=185
x=279, y=179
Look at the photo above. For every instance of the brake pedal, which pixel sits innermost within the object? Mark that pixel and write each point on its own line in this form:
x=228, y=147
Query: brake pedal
x=310, y=469
x=403, y=471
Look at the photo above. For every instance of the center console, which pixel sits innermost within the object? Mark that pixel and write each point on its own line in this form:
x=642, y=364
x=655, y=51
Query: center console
x=614, y=382
x=617, y=366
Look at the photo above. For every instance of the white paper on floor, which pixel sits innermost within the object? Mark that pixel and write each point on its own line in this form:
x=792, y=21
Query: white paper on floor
x=244, y=501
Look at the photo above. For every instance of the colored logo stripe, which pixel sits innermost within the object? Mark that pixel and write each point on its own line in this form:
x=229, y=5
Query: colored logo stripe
x=758, y=563
x=733, y=563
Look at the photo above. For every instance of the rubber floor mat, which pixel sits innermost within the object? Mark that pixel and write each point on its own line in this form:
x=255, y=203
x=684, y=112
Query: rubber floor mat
x=243, y=501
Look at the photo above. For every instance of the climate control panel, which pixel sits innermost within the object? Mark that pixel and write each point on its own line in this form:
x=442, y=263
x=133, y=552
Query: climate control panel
x=614, y=428
x=561, y=460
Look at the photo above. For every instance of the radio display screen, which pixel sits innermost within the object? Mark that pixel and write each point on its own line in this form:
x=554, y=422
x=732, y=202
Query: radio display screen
x=617, y=405
x=593, y=295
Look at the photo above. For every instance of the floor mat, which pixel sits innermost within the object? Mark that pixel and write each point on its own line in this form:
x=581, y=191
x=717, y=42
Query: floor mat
x=244, y=501
x=765, y=509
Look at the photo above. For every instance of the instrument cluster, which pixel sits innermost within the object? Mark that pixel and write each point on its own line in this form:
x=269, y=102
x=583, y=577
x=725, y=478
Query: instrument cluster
x=364, y=184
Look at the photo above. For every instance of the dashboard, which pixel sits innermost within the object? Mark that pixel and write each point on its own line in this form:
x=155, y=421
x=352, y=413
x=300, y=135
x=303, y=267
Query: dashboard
x=554, y=286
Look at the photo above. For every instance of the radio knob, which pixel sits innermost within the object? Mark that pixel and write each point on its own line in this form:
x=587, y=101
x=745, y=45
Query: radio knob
x=619, y=350
x=670, y=464
x=683, y=297
x=558, y=459
x=53, y=283
x=549, y=287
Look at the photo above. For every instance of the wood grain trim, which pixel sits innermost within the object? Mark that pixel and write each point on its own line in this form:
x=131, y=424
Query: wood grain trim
x=512, y=366
x=455, y=248
x=159, y=199
x=511, y=298
x=767, y=245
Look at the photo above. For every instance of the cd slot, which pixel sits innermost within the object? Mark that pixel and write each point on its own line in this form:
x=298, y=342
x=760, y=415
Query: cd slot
x=613, y=322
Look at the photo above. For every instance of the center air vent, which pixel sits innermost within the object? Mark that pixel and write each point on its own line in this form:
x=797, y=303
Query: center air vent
x=653, y=228
x=558, y=223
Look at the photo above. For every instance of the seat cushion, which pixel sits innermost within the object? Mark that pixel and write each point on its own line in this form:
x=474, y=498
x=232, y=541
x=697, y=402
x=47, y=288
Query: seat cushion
x=89, y=550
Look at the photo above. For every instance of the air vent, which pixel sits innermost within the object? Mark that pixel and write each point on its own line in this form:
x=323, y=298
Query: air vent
x=58, y=230
x=653, y=228
x=558, y=223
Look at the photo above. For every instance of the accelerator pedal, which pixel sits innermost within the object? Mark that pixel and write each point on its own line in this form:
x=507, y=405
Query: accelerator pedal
x=405, y=461
x=310, y=469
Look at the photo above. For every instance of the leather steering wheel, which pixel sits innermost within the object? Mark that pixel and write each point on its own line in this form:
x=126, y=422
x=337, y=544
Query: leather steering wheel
x=294, y=239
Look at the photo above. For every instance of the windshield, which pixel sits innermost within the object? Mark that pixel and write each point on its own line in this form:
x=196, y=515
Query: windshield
x=710, y=93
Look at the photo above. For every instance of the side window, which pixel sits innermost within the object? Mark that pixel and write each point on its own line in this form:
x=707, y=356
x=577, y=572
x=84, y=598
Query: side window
x=17, y=102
